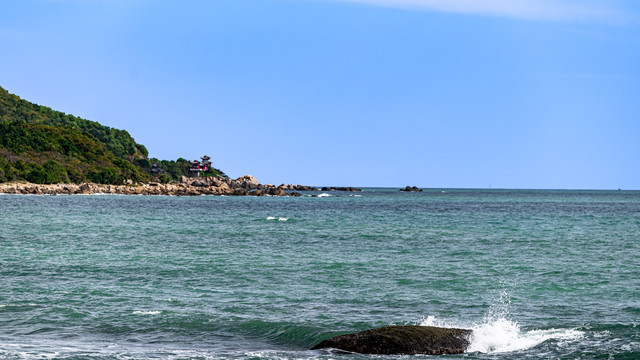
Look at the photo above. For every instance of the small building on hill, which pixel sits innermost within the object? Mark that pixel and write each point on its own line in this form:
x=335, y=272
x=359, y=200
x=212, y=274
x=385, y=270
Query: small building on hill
x=198, y=166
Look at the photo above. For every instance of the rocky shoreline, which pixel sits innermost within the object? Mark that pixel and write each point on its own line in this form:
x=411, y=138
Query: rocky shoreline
x=243, y=186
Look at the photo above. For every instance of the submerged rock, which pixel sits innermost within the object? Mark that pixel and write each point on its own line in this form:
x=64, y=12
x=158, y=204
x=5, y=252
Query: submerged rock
x=410, y=340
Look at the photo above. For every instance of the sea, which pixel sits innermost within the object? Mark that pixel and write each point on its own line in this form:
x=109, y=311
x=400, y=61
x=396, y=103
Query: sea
x=537, y=274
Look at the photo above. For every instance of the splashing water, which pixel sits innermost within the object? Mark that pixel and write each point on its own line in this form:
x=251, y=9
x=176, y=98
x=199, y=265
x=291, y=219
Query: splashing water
x=502, y=335
x=498, y=333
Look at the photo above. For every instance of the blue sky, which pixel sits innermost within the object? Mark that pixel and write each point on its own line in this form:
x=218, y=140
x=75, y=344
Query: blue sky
x=433, y=93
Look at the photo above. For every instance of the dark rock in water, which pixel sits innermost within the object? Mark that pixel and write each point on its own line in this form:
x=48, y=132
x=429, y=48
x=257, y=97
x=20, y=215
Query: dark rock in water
x=411, y=189
x=352, y=189
x=304, y=188
x=410, y=340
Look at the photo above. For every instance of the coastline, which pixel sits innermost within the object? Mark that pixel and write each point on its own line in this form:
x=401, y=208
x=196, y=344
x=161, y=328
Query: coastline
x=243, y=186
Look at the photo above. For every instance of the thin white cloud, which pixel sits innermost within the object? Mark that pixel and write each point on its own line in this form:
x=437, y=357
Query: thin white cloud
x=521, y=9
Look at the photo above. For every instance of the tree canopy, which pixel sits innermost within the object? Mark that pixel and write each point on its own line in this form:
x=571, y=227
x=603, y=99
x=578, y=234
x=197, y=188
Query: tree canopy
x=45, y=146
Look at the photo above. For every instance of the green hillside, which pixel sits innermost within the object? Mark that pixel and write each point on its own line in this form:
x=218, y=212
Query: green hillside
x=44, y=146
x=119, y=142
x=46, y=154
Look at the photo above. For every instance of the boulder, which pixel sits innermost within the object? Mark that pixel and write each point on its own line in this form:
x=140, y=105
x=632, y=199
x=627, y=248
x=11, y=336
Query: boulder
x=240, y=192
x=277, y=192
x=408, y=340
x=246, y=182
x=85, y=189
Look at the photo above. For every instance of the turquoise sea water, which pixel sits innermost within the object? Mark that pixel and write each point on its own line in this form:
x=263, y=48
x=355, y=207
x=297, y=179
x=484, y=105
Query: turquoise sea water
x=536, y=274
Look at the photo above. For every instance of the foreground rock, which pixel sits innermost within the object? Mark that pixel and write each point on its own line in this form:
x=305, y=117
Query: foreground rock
x=244, y=186
x=409, y=340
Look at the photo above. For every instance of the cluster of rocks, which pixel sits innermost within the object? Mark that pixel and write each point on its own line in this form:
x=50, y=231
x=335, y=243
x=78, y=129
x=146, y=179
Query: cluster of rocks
x=245, y=182
x=244, y=186
x=411, y=189
x=409, y=340
x=297, y=187
x=351, y=189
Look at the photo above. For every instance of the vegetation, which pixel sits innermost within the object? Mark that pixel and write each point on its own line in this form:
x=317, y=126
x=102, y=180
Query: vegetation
x=119, y=142
x=45, y=154
x=44, y=146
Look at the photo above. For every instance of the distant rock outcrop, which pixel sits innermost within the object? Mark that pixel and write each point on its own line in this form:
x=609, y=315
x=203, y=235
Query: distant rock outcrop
x=411, y=189
x=297, y=187
x=351, y=189
x=409, y=340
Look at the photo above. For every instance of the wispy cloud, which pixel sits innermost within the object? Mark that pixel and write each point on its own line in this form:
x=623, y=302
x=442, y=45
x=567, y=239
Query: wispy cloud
x=521, y=9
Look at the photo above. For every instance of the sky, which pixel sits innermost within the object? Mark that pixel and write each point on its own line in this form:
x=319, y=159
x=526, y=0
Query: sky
x=433, y=93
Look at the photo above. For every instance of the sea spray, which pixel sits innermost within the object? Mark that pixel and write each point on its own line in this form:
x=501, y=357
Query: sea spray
x=499, y=333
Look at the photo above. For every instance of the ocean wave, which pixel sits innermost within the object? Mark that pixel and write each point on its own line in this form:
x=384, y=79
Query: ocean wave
x=277, y=218
x=2, y=306
x=151, y=312
x=324, y=195
x=501, y=335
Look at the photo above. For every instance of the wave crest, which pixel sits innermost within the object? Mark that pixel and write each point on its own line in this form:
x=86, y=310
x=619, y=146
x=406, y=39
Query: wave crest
x=500, y=335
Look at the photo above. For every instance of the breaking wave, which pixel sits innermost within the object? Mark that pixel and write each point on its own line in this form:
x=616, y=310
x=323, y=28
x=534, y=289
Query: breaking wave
x=152, y=312
x=277, y=218
x=499, y=333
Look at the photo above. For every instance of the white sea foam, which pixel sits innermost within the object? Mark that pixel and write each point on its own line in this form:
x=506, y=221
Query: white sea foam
x=501, y=335
x=277, y=218
x=153, y=312
x=324, y=195
x=16, y=305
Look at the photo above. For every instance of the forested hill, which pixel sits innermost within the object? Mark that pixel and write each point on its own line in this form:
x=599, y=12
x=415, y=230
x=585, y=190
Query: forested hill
x=44, y=146
x=119, y=142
